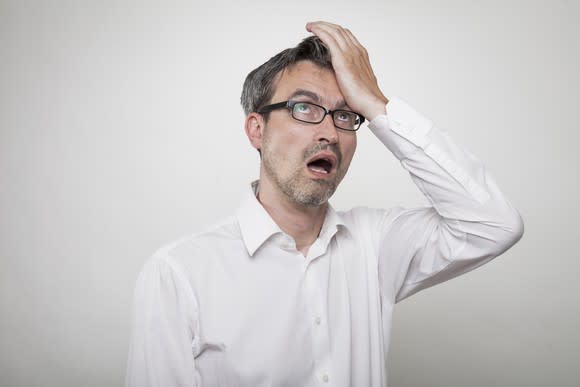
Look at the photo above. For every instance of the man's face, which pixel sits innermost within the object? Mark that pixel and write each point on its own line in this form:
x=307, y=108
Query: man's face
x=304, y=161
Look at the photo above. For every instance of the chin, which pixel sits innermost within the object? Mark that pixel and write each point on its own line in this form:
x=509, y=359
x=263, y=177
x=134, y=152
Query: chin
x=313, y=199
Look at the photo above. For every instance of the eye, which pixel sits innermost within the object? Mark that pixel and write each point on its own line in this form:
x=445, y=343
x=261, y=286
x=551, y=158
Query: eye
x=302, y=108
x=345, y=116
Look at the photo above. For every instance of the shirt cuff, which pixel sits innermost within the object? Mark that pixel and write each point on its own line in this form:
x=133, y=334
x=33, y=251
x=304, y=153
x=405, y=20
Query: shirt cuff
x=405, y=121
x=402, y=129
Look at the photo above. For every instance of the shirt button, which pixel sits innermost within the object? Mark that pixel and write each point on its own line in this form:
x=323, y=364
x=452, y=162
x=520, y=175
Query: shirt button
x=325, y=378
x=317, y=320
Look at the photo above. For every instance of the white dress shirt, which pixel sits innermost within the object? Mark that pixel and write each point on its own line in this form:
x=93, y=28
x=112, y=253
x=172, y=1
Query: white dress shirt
x=238, y=305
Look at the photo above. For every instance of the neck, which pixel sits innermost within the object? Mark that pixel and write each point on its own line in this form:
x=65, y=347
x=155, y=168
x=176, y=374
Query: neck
x=303, y=223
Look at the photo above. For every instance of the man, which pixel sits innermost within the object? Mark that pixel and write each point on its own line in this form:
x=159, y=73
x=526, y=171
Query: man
x=290, y=292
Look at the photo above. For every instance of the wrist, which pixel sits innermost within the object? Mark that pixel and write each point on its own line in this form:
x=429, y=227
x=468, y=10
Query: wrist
x=378, y=108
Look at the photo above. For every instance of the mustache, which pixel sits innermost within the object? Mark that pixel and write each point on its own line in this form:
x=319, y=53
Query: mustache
x=319, y=147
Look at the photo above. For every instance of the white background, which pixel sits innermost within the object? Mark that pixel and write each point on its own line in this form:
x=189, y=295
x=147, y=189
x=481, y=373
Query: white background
x=121, y=130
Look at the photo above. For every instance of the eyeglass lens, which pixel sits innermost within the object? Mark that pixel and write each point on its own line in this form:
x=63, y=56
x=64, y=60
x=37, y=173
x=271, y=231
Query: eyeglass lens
x=308, y=112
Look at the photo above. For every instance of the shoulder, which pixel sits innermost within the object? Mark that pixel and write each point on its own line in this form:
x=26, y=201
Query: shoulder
x=182, y=251
x=175, y=268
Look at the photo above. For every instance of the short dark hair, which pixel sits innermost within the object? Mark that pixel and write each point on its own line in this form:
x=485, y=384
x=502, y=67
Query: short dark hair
x=259, y=84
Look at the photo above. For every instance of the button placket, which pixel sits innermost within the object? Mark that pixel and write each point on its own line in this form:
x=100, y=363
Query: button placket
x=316, y=287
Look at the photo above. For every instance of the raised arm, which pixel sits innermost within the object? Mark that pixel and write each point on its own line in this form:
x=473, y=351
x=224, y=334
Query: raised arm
x=469, y=221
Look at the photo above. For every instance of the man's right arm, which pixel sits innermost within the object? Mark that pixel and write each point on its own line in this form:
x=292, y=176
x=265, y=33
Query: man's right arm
x=164, y=316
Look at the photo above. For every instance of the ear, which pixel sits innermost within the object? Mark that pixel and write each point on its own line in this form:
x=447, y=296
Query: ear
x=254, y=127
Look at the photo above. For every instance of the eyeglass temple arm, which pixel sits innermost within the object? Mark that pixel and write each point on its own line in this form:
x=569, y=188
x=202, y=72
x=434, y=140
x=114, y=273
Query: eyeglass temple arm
x=269, y=108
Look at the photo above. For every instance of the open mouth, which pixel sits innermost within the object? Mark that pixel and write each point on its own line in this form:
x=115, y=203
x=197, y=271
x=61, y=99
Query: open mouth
x=321, y=164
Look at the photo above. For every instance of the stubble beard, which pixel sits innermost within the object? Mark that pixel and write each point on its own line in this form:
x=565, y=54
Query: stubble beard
x=297, y=187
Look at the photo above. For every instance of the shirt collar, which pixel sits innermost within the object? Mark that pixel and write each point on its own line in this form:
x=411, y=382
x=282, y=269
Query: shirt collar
x=257, y=226
x=332, y=223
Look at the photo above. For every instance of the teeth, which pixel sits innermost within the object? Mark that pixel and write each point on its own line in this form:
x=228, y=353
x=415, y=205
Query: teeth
x=318, y=169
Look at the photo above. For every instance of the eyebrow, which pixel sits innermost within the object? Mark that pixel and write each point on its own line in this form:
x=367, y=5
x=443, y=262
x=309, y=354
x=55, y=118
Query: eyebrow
x=315, y=97
x=305, y=93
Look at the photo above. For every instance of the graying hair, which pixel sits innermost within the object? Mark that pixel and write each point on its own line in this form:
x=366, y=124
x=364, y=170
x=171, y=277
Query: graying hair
x=259, y=84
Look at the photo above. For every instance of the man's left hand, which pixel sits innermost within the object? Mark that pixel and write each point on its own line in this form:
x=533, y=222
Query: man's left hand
x=352, y=69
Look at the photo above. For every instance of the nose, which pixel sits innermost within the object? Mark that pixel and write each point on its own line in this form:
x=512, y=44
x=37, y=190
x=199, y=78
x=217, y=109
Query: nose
x=326, y=131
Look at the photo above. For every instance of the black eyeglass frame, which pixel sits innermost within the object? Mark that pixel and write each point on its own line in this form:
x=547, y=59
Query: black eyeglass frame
x=290, y=106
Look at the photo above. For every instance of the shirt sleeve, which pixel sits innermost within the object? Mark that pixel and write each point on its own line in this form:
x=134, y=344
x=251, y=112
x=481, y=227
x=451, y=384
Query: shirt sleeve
x=468, y=223
x=164, y=315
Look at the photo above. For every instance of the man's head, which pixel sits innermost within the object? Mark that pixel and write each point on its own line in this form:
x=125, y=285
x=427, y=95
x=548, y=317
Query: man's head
x=300, y=162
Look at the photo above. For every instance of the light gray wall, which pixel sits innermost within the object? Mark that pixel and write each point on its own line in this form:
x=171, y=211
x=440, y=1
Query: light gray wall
x=120, y=130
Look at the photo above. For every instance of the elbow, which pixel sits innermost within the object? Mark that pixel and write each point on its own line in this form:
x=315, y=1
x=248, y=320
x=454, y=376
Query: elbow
x=512, y=230
x=516, y=226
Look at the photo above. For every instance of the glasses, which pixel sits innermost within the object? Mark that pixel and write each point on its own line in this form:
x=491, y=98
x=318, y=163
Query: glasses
x=314, y=114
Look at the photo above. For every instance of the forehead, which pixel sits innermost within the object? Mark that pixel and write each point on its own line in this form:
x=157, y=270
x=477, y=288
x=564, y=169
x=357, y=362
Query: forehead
x=306, y=75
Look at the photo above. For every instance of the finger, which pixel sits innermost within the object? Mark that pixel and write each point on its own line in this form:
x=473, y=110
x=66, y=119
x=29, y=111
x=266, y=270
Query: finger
x=350, y=45
x=329, y=39
x=362, y=49
x=335, y=31
x=320, y=23
x=352, y=38
x=336, y=36
x=325, y=30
